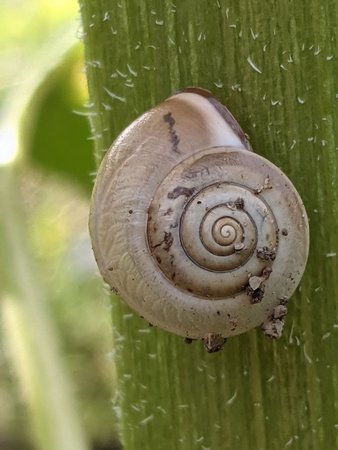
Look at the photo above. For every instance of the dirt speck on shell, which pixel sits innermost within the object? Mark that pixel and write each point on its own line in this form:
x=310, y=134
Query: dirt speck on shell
x=255, y=287
x=239, y=203
x=284, y=232
x=256, y=295
x=266, y=185
x=273, y=327
x=266, y=254
x=213, y=342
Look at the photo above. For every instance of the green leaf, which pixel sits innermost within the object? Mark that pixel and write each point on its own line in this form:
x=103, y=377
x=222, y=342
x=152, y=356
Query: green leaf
x=274, y=65
x=55, y=130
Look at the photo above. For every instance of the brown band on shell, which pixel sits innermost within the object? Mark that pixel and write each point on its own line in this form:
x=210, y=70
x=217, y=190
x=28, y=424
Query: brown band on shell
x=222, y=110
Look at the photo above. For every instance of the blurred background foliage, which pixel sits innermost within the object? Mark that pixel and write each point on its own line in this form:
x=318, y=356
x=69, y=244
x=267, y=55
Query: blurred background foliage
x=54, y=134
x=45, y=133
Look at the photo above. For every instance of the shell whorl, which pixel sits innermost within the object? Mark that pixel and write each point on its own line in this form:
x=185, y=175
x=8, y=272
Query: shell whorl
x=186, y=221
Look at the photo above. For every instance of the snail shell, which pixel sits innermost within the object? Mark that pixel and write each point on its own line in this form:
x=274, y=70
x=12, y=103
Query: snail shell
x=198, y=234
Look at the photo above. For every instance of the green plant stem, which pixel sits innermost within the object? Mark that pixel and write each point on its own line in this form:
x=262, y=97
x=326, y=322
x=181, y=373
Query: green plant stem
x=274, y=64
x=30, y=333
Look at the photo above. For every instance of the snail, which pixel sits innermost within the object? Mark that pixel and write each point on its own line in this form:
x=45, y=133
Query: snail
x=198, y=234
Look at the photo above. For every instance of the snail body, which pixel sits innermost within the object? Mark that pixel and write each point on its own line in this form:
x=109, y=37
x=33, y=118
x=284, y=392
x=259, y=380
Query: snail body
x=197, y=233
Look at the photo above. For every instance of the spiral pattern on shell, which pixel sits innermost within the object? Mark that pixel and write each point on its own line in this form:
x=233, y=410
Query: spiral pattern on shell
x=196, y=232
